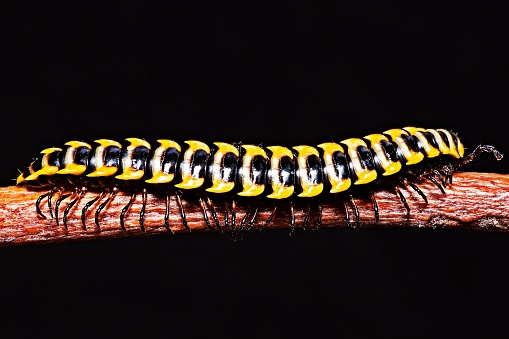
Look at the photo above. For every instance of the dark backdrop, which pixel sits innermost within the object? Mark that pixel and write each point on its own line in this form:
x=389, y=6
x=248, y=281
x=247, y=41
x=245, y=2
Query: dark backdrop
x=300, y=72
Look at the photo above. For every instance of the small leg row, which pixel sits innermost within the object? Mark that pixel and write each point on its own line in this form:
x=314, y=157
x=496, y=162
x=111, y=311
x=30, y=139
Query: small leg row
x=229, y=226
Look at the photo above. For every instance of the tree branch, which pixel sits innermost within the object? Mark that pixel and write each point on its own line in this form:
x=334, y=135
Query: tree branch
x=474, y=201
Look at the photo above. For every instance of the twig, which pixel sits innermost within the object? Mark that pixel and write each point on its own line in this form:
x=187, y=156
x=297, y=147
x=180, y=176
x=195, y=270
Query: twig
x=477, y=201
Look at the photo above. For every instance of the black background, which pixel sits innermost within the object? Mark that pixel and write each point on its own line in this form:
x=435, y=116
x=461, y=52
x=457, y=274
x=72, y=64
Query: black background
x=292, y=73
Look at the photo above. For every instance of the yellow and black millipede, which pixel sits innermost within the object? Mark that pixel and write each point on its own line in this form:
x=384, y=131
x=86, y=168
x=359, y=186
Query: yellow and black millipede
x=396, y=157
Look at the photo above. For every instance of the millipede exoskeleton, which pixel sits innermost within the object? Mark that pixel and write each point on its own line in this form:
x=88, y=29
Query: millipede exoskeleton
x=394, y=158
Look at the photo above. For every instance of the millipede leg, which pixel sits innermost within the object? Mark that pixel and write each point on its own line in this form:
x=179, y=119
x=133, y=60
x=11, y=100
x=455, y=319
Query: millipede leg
x=251, y=222
x=448, y=174
x=67, y=209
x=292, y=219
x=306, y=218
x=167, y=214
x=38, y=204
x=142, y=211
x=244, y=219
x=205, y=215
x=403, y=200
x=269, y=219
x=234, y=216
x=355, y=211
x=214, y=215
x=243, y=223
x=71, y=204
x=375, y=207
x=125, y=209
x=437, y=184
x=347, y=215
x=182, y=212
x=319, y=220
x=440, y=177
x=103, y=204
x=87, y=206
x=57, y=204
x=417, y=189
x=53, y=191
x=227, y=219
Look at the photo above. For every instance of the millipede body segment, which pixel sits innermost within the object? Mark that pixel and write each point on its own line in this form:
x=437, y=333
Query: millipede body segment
x=394, y=157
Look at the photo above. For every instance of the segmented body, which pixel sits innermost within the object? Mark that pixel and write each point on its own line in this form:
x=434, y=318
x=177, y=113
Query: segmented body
x=275, y=172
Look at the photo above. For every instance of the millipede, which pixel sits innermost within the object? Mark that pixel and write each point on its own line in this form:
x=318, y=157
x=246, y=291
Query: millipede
x=395, y=158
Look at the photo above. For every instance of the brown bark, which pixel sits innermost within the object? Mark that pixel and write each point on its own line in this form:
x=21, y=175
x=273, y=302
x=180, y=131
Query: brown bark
x=474, y=201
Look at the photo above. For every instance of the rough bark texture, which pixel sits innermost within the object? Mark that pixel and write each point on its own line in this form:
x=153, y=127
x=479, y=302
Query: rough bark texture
x=474, y=201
